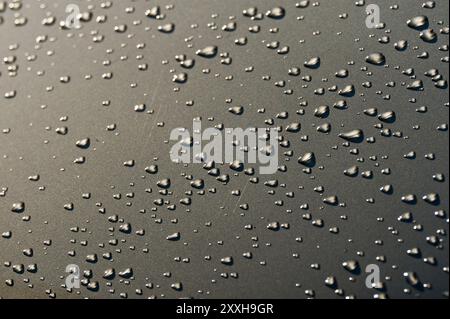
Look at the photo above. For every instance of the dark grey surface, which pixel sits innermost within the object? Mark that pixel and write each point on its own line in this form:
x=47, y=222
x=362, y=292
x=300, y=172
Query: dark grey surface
x=214, y=225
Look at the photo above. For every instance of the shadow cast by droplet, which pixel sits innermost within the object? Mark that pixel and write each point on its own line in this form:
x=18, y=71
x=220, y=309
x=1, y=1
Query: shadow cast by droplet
x=347, y=94
x=357, y=140
x=442, y=87
x=436, y=202
x=313, y=67
x=431, y=41
x=356, y=271
x=311, y=163
x=422, y=28
x=389, y=120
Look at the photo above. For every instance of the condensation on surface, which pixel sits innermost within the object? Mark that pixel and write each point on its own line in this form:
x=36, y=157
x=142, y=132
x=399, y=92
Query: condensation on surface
x=86, y=178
